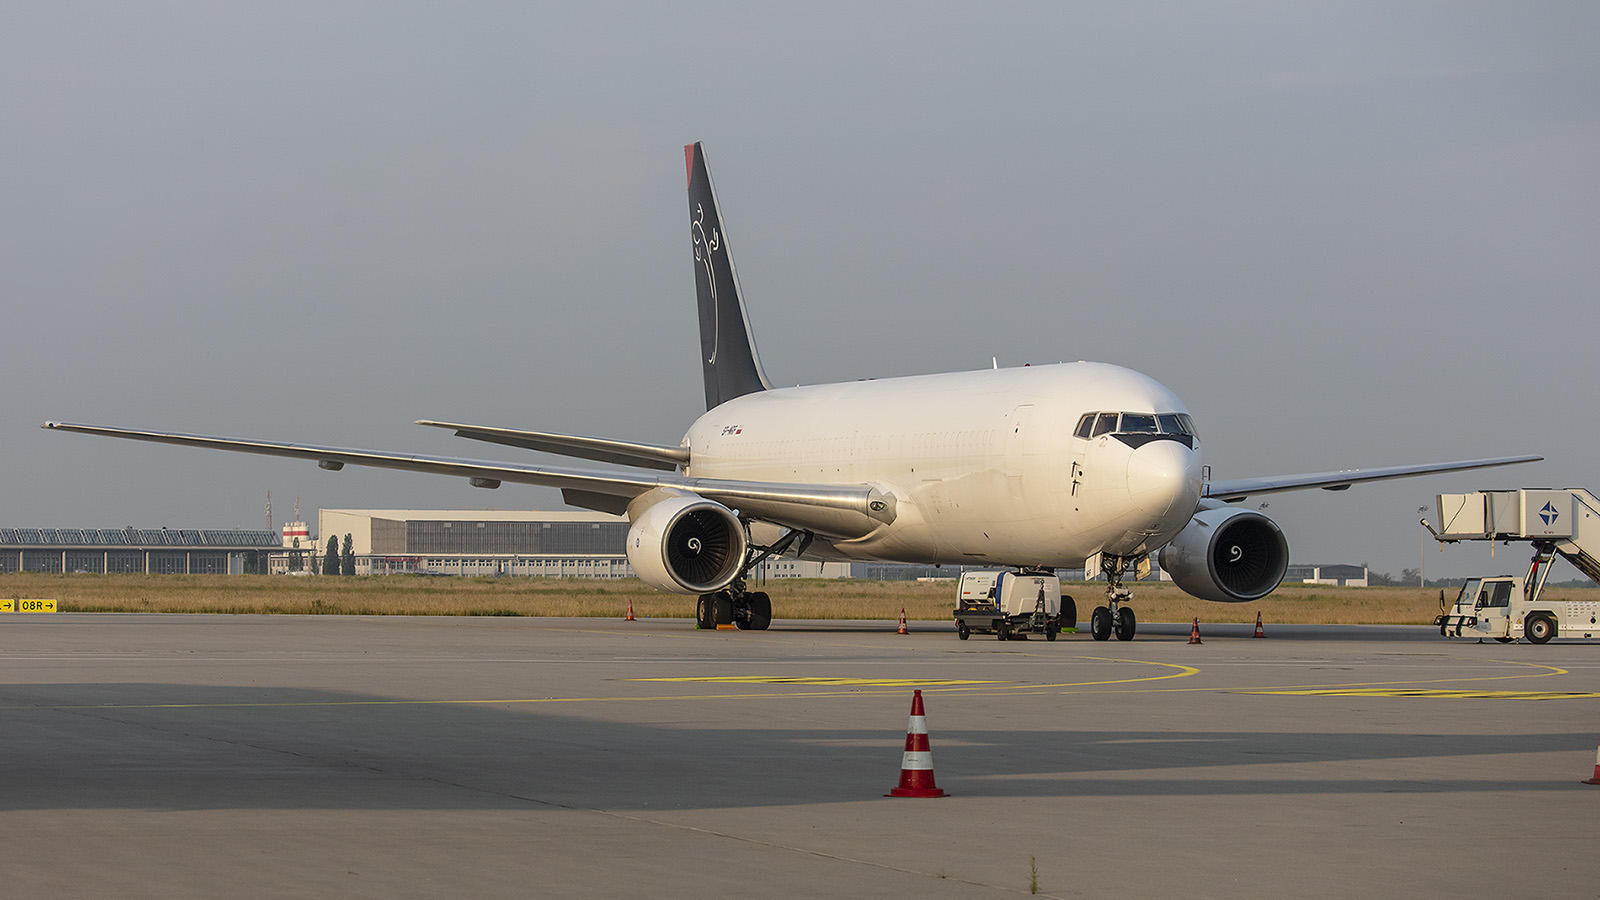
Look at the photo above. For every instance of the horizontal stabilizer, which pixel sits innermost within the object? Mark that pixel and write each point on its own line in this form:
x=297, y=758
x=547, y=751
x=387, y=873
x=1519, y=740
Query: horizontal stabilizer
x=621, y=453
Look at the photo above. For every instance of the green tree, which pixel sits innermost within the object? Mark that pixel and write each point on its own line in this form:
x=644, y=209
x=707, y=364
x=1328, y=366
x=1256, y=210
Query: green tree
x=347, y=561
x=330, y=561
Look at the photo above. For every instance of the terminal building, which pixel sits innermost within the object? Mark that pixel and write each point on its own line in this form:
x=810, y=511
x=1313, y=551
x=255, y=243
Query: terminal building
x=164, y=551
x=548, y=543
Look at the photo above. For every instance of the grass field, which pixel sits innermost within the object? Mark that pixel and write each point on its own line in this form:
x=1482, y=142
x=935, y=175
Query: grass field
x=797, y=599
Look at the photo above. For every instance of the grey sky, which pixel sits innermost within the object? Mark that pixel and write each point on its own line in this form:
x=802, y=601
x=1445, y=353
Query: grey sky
x=1346, y=234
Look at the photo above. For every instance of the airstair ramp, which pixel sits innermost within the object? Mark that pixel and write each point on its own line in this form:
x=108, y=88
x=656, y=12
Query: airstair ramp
x=1565, y=520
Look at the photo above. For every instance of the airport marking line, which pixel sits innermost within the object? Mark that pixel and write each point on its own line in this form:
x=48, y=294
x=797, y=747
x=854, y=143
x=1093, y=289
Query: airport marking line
x=1432, y=693
x=817, y=681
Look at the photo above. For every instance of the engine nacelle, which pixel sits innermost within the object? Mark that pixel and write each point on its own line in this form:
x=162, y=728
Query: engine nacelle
x=687, y=545
x=1227, y=553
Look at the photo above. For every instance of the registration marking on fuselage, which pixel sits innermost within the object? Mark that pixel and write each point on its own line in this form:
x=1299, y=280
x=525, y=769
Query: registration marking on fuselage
x=810, y=681
x=1436, y=694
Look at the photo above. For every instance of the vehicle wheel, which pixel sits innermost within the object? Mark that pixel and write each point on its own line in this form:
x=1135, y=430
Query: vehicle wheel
x=1100, y=623
x=724, y=609
x=1069, y=613
x=1126, y=624
x=1539, y=629
x=1504, y=640
x=760, y=611
x=962, y=631
x=1052, y=629
x=1002, y=632
x=706, y=611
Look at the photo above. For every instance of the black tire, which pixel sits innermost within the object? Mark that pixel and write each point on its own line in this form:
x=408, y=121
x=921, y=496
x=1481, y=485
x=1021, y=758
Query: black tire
x=1503, y=640
x=724, y=608
x=1539, y=628
x=1100, y=623
x=1002, y=632
x=760, y=611
x=1125, y=624
x=962, y=631
x=1052, y=629
x=1069, y=613
x=706, y=612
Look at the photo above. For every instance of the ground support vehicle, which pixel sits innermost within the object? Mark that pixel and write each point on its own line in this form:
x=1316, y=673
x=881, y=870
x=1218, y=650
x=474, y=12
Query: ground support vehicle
x=1563, y=523
x=1012, y=604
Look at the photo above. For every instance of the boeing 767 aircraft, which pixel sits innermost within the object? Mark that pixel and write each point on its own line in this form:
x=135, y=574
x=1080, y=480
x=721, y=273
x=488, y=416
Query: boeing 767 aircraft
x=1036, y=468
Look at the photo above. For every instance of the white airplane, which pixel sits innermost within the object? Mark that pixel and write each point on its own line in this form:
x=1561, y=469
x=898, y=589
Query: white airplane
x=1036, y=468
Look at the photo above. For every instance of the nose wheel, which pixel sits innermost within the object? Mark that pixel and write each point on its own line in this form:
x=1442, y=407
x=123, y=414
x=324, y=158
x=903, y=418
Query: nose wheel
x=1114, y=617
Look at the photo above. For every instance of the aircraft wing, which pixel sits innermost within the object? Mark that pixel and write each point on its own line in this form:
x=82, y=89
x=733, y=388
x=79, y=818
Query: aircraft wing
x=1240, y=488
x=837, y=510
x=622, y=453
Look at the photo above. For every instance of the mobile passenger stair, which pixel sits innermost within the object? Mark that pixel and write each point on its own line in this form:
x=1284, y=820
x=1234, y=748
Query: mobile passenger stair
x=1563, y=523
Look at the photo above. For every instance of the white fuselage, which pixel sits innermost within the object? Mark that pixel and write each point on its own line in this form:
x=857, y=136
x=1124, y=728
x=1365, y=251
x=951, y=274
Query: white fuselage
x=984, y=466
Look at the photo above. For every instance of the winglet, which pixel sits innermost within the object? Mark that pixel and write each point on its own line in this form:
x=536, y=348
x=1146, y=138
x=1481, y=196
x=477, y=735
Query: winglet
x=728, y=356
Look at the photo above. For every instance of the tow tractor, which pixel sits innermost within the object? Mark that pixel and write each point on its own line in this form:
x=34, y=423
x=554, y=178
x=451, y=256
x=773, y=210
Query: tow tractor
x=1562, y=523
x=1011, y=604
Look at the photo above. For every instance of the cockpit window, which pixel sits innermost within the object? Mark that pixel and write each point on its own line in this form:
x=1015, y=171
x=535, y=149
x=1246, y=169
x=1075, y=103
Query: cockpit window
x=1138, y=423
x=1096, y=424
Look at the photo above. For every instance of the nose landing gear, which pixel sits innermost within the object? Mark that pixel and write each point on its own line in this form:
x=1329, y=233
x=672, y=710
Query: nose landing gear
x=1114, y=618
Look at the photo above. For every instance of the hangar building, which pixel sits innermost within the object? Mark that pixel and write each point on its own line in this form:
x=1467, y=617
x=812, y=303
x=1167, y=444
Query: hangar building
x=162, y=551
x=550, y=543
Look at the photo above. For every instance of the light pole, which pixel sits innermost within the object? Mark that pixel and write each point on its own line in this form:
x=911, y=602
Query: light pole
x=1422, y=559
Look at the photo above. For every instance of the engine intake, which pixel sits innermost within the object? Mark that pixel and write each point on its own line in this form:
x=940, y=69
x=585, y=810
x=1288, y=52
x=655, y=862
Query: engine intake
x=687, y=545
x=1227, y=554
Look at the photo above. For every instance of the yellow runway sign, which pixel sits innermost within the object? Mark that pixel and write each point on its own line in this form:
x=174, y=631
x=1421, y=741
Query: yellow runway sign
x=1440, y=694
x=27, y=605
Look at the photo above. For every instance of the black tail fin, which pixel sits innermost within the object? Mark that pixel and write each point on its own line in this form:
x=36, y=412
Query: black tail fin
x=727, y=351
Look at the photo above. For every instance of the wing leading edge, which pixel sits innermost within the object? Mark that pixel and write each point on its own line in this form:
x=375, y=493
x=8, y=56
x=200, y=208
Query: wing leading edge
x=838, y=510
x=1240, y=488
x=621, y=453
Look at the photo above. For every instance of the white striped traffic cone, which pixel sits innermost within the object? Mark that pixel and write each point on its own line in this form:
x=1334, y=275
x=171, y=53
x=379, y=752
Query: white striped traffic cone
x=916, y=766
x=1596, y=778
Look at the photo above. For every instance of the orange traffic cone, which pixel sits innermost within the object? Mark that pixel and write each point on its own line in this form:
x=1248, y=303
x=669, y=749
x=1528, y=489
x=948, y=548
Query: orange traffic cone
x=902, y=622
x=1194, y=632
x=630, y=617
x=1259, y=632
x=1594, y=780
x=916, y=766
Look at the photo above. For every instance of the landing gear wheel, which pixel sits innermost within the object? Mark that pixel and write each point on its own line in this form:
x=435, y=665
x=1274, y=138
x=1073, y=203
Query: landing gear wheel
x=1539, y=629
x=724, y=608
x=1125, y=624
x=1069, y=613
x=962, y=631
x=1100, y=623
x=705, y=611
x=760, y=611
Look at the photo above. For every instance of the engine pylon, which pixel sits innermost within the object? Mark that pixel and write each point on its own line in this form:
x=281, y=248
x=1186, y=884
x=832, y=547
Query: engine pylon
x=916, y=766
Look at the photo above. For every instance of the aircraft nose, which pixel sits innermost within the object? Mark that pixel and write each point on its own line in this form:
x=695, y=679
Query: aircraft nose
x=1163, y=476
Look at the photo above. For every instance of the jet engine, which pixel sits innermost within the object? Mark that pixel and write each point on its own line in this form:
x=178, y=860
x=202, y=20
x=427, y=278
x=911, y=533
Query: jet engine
x=687, y=545
x=1227, y=553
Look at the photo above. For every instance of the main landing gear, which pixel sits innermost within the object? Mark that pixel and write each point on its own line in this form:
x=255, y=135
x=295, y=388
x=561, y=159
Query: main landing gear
x=1114, y=618
x=745, y=610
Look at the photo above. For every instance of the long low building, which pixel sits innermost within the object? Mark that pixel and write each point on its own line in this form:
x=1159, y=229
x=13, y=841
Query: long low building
x=550, y=543
x=162, y=550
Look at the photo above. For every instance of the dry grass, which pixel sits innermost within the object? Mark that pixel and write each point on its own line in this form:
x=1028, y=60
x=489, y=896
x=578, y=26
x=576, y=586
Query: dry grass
x=799, y=599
